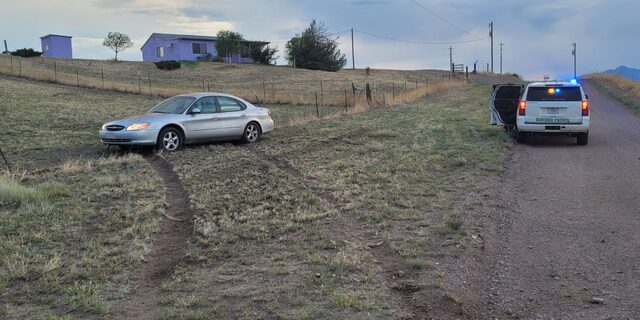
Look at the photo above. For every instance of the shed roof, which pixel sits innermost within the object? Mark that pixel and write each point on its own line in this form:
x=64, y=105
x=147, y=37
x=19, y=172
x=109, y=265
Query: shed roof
x=55, y=35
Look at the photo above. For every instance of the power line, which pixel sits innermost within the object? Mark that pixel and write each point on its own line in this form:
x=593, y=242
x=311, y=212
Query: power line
x=418, y=42
x=439, y=16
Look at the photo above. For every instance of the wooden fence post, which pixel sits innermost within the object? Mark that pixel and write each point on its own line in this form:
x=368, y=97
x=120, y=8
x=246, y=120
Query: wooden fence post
x=11, y=57
x=102, y=76
x=264, y=91
x=393, y=93
x=317, y=109
x=77, y=76
x=345, y=100
x=321, y=94
x=208, y=85
x=20, y=66
x=139, y=84
x=55, y=72
x=149, y=78
x=405, y=85
x=202, y=83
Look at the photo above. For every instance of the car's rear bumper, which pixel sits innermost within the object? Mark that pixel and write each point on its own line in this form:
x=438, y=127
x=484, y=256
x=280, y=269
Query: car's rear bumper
x=146, y=137
x=553, y=127
x=267, y=125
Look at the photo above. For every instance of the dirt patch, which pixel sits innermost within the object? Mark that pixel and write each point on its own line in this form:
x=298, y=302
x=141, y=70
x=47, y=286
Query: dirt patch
x=169, y=248
x=404, y=282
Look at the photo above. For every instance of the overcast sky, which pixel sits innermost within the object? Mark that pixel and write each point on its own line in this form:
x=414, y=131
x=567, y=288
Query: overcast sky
x=537, y=35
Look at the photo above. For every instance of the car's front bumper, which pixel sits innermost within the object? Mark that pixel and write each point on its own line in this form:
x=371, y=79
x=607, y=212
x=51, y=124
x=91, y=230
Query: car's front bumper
x=124, y=137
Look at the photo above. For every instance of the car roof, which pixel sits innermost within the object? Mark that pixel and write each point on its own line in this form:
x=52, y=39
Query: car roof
x=554, y=83
x=199, y=95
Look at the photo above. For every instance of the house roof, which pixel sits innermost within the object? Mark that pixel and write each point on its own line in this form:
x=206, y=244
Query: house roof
x=55, y=35
x=172, y=36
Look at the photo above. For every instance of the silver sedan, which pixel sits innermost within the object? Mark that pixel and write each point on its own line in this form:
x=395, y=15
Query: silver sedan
x=190, y=118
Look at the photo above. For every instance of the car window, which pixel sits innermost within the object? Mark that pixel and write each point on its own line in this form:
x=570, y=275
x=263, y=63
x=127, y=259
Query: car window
x=554, y=94
x=230, y=105
x=206, y=105
x=175, y=105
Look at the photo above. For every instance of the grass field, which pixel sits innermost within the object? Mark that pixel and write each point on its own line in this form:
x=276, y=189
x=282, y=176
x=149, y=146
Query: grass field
x=272, y=240
x=349, y=217
x=270, y=84
x=622, y=89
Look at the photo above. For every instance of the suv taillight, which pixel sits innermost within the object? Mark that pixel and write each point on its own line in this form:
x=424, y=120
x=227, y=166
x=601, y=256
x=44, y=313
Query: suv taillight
x=522, y=107
x=585, y=108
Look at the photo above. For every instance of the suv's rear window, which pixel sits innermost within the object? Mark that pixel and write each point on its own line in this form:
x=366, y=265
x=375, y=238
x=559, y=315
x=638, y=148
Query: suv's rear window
x=554, y=94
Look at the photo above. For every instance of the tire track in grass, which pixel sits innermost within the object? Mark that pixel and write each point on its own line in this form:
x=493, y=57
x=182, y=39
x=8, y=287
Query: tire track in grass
x=403, y=281
x=169, y=248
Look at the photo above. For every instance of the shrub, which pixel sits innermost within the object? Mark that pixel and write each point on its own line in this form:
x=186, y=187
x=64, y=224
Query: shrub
x=168, y=65
x=26, y=53
x=206, y=57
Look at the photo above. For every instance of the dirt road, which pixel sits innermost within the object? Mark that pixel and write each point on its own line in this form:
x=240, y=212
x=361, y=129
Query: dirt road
x=568, y=237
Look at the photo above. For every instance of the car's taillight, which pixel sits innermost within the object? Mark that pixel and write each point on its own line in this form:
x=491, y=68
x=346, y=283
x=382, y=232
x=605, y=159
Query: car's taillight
x=522, y=106
x=585, y=108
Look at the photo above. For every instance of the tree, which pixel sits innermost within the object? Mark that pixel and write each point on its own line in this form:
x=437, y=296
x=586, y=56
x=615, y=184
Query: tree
x=263, y=54
x=117, y=41
x=228, y=44
x=314, y=49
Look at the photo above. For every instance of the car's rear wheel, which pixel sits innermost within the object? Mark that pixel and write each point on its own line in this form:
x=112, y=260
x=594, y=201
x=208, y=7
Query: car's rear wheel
x=521, y=137
x=583, y=138
x=251, y=133
x=169, y=139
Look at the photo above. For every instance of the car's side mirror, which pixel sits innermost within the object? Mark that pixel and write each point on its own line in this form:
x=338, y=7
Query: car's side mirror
x=195, y=110
x=586, y=96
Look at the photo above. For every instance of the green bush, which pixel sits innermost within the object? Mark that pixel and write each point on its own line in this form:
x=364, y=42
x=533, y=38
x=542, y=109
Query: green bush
x=168, y=65
x=26, y=53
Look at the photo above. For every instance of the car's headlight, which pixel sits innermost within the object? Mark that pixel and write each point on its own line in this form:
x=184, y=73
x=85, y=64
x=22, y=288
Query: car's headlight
x=104, y=126
x=138, y=126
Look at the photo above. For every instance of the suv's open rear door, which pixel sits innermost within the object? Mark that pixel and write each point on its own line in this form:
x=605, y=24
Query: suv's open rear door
x=503, y=104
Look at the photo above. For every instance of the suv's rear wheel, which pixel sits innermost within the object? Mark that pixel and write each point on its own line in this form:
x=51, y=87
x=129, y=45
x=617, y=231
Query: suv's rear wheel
x=583, y=138
x=521, y=137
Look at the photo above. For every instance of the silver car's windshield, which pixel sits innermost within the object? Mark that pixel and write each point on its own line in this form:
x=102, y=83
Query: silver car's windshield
x=174, y=105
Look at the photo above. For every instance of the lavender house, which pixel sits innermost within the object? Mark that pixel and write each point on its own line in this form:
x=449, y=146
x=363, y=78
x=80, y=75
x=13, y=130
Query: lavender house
x=165, y=46
x=56, y=46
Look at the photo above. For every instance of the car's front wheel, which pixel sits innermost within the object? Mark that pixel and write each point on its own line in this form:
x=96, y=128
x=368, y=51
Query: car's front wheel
x=169, y=139
x=251, y=133
x=583, y=138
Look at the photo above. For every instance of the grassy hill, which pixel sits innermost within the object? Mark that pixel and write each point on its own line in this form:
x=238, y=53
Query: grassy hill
x=273, y=84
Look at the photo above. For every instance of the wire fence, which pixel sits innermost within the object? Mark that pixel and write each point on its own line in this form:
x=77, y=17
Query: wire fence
x=296, y=100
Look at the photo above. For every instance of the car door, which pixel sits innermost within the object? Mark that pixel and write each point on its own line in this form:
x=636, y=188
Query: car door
x=201, y=121
x=504, y=103
x=232, y=116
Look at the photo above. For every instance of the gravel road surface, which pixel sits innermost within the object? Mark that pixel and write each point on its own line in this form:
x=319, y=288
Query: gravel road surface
x=568, y=236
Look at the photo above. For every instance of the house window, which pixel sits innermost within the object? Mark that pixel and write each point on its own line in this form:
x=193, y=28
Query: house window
x=199, y=48
x=160, y=52
x=245, y=52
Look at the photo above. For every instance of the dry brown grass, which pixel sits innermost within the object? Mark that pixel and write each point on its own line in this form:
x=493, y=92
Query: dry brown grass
x=270, y=84
x=625, y=90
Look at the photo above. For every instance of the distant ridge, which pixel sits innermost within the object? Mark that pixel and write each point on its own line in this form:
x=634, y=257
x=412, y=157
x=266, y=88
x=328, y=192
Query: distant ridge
x=627, y=72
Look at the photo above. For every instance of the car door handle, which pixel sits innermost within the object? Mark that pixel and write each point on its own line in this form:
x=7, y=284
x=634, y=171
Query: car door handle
x=243, y=116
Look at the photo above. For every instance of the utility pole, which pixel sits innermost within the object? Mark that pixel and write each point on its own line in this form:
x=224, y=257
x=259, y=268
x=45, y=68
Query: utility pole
x=574, y=60
x=501, y=45
x=451, y=59
x=353, y=54
x=491, y=36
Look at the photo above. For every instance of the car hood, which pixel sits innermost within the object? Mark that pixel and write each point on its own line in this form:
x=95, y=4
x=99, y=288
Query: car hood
x=154, y=118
